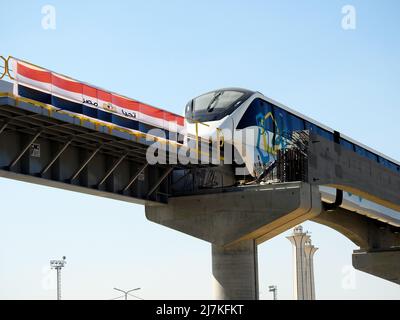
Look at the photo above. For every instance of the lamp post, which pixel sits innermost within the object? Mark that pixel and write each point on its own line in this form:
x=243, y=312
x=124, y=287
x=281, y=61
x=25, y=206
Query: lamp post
x=274, y=290
x=58, y=265
x=126, y=292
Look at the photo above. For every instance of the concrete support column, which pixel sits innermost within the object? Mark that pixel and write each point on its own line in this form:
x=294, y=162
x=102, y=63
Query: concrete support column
x=235, y=273
x=310, y=250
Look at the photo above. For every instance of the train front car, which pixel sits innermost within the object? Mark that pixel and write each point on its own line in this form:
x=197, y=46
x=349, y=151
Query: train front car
x=250, y=133
x=211, y=117
x=212, y=111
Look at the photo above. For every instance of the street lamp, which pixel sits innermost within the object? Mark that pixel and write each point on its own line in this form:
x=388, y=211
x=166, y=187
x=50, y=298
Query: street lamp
x=126, y=293
x=58, y=265
x=274, y=290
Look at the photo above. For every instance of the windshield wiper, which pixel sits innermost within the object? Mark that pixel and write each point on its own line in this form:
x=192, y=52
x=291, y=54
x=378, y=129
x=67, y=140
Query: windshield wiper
x=210, y=107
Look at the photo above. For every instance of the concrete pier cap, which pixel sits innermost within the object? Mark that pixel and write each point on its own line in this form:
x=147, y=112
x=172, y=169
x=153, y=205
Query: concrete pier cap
x=235, y=222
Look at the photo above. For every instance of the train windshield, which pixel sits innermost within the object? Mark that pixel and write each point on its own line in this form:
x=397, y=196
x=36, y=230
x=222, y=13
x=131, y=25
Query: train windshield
x=214, y=105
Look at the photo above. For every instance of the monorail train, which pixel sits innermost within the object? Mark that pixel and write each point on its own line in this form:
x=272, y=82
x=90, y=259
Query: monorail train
x=270, y=124
x=237, y=110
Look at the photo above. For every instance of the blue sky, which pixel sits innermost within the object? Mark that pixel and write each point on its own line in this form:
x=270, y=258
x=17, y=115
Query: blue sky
x=164, y=53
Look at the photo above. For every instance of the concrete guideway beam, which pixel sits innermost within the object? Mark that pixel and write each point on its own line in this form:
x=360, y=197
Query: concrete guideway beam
x=333, y=165
x=257, y=213
x=380, y=243
x=366, y=233
x=383, y=264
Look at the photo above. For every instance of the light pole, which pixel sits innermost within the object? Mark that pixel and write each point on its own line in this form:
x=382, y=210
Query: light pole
x=58, y=265
x=126, y=292
x=274, y=290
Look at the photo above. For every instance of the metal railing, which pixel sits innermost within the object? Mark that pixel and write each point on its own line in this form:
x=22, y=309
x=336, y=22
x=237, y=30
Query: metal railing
x=291, y=162
x=6, y=68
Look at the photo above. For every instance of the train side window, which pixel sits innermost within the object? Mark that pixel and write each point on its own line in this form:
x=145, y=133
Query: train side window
x=297, y=123
x=365, y=153
x=287, y=122
x=268, y=123
x=346, y=144
x=249, y=117
x=371, y=156
x=322, y=132
x=388, y=164
x=393, y=166
x=360, y=151
x=326, y=134
x=281, y=118
x=257, y=115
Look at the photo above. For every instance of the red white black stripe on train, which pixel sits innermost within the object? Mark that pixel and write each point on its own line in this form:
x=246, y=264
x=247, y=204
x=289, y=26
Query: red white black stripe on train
x=68, y=94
